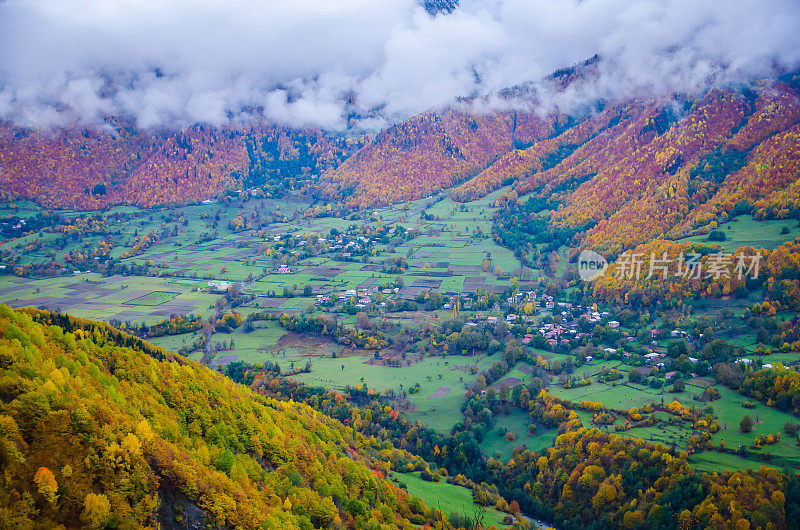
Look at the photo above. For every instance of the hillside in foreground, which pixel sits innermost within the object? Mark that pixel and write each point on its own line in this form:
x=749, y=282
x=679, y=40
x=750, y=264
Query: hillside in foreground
x=101, y=429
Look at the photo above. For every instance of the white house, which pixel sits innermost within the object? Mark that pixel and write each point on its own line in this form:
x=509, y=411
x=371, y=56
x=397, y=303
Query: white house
x=219, y=286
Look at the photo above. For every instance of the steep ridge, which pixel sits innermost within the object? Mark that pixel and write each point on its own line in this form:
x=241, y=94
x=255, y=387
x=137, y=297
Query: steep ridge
x=643, y=169
x=119, y=164
x=428, y=153
x=575, y=142
x=102, y=429
x=643, y=193
x=767, y=148
x=649, y=191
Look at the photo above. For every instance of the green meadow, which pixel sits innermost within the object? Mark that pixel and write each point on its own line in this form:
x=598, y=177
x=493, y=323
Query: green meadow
x=448, y=498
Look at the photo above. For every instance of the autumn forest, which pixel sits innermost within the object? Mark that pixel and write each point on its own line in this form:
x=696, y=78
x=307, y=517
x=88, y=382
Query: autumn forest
x=435, y=264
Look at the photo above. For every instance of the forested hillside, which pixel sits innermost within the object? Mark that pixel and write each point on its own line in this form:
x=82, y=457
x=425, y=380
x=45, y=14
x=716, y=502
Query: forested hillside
x=120, y=164
x=99, y=428
x=429, y=153
x=622, y=171
x=647, y=168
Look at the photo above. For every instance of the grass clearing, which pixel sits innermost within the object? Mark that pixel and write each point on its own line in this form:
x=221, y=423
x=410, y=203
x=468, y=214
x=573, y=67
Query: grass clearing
x=517, y=421
x=449, y=498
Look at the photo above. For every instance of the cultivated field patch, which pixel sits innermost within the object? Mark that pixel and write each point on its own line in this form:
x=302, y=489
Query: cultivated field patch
x=439, y=393
x=154, y=298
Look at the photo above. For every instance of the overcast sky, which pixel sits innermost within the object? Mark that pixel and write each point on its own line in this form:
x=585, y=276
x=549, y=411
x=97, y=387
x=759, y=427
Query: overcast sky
x=175, y=62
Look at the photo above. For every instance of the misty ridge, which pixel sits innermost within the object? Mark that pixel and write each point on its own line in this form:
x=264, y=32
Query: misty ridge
x=364, y=65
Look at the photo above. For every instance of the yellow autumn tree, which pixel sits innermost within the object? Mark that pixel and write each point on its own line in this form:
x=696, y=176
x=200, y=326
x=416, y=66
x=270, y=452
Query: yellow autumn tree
x=96, y=510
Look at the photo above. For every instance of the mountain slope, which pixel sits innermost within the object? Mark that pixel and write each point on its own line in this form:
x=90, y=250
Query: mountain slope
x=643, y=169
x=100, y=428
x=428, y=153
x=669, y=165
x=93, y=169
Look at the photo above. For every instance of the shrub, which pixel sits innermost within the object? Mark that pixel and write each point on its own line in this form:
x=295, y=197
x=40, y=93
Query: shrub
x=426, y=475
x=355, y=507
x=746, y=425
x=460, y=520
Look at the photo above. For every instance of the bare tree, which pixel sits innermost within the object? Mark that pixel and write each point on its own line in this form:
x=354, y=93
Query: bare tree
x=363, y=321
x=208, y=348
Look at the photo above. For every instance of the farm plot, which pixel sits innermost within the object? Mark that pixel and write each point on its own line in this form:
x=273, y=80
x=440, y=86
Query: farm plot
x=154, y=298
x=105, y=298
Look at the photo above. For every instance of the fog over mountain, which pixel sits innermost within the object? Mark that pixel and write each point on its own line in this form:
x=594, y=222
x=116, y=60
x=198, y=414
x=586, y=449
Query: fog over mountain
x=321, y=63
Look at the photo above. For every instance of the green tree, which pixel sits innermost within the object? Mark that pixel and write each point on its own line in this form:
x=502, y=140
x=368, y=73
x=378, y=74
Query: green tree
x=746, y=425
x=225, y=461
x=678, y=347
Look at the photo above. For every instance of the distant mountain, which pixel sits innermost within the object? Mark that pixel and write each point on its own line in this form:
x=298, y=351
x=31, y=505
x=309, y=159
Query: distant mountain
x=646, y=168
x=428, y=153
x=618, y=174
x=435, y=7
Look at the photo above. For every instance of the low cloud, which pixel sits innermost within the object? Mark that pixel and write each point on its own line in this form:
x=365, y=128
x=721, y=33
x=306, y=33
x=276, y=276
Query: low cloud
x=322, y=63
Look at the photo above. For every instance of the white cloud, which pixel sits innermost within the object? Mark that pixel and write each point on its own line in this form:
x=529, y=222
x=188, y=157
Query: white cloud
x=313, y=62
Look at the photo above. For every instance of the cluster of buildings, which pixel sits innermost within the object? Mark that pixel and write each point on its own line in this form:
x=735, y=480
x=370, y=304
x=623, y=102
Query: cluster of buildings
x=348, y=246
x=553, y=333
x=341, y=243
x=365, y=296
x=544, y=300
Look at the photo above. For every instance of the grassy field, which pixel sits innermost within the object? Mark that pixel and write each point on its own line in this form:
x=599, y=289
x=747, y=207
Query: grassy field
x=728, y=409
x=432, y=374
x=746, y=231
x=154, y=298
x=516, y=421
x=449, y=498
x=767, y=421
